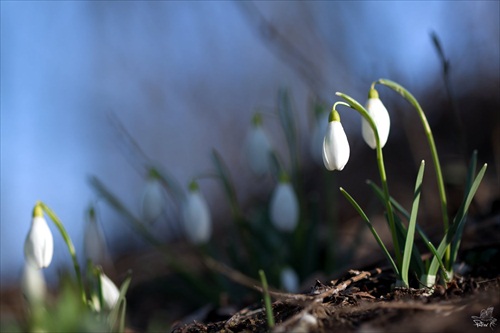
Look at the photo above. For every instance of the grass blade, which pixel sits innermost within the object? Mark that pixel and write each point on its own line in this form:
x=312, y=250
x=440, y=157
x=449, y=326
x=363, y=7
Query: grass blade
x=411, y=225
x=372, y=229
x=267, y=299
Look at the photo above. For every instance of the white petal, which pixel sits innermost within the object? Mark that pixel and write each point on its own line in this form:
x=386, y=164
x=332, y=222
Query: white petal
x=380, y=116
x=196, y=217
x=94, y=243
x=153, y=201
x=39, y=244
x=110, y=292
x=284, y=207
x=336, y=150
x=258, y=150
x=33, y=284
x=289, y=280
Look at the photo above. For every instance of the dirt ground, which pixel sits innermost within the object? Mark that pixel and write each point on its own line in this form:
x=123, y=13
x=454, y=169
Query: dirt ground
x=365, y=301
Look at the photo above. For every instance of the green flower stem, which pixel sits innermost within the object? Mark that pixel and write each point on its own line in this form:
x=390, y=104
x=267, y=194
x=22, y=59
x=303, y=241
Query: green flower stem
x=69, y=244
x=383, y=178
x=435, y=158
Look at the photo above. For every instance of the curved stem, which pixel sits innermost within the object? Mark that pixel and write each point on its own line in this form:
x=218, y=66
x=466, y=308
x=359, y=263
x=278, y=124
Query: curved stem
x=435, y=158
x=69, y=244
x=383, y=178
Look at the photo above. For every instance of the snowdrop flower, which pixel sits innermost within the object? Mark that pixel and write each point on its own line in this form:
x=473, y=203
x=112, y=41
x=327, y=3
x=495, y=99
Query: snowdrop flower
x=94, y=242
x=39, y=243
x=196, y=216
x=110, y=292
x=33, y=284
x=318, y=134
x=153, y=199
x=289, y=280
x=258, y=148
x=284, y=206
x=380, y=116
x=336, y=148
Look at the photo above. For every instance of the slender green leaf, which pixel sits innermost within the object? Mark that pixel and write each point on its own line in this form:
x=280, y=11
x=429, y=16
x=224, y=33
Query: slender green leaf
x=451, y=233
x=372, y=229
x=223, y=172
x=267, y=299
x=411, y=226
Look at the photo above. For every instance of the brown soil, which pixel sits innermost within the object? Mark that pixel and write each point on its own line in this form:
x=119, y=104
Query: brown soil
x=365, y=301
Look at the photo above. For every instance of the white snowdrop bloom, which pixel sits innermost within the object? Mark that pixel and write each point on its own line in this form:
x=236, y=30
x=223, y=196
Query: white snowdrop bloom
x=39, y=243
x=317, y=136
x=196, y=216
x=289, y=280
x=380, y=116
x=258, y=148
x=33, y=284
x=284, y=207
x=153, y=200
x=94, y=242
x=336, y=150
x=110, y=292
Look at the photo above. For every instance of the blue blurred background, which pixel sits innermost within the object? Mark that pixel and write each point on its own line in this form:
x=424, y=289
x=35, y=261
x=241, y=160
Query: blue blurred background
x=186, y=77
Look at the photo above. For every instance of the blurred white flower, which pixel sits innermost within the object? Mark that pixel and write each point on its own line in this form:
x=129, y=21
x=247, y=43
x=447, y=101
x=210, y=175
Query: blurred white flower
x=258, y=149
x=33, y=284
x=39, y=243
x=284, y=207
x=196, y=216
x=380, y=116
x=289, y=280
x=110, y=292
x=153, y=200
x=94, y=242
x=317, y=136
x=336, y=148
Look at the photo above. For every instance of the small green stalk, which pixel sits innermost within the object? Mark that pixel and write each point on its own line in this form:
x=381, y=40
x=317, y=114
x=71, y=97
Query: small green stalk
x=435, y=158
x=69, y=244
x=267, y=299
x=383, y=178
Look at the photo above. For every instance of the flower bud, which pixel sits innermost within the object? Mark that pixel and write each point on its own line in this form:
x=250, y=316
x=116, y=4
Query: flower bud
x=284, y=206
x=336, y=148
x=39, y=243
x=110, y=293
x=153, y=200
x=289, y=280
x=196, y=216
x=258, y=148
x=94, y=243
x=380, y=116
x=33, y=284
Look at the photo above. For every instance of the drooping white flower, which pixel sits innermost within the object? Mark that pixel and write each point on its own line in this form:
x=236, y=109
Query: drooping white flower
x=33, y=284
x=380, y=116
x=110, y=293
x=289, y=280
x=258, y=149
x=94, y=242
x=39, y=243
x=318, y=135
x=284, y=206
x=153, y=200
x=336, y=148
x=196, y=216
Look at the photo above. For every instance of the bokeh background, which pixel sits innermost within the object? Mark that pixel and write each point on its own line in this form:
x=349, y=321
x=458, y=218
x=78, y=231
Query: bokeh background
x=183, y=78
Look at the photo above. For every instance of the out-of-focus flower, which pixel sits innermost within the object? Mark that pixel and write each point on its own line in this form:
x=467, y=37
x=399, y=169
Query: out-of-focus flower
x=258, y=149
x=153, y=199
x=284, y=206
x=380, y=116
x=318, y=133
x=110, y=293
x=94, y=243
x=196, y=216
x=39, y=243
x=289, y=280
x=336, y=148
x=33, y=284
